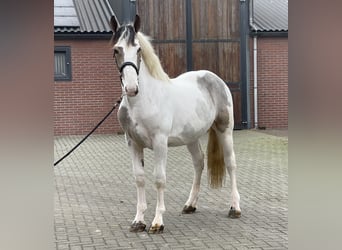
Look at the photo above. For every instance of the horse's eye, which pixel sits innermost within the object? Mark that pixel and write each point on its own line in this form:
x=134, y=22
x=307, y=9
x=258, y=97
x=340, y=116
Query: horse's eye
x=116, y=51
x=139, y=50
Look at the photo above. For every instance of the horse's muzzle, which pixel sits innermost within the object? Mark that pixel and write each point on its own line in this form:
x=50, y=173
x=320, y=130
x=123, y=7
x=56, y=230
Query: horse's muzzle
x=132, y=91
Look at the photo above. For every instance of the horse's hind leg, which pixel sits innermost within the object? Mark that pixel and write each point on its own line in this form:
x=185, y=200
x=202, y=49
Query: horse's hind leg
x=198, y=161
x=226, y=138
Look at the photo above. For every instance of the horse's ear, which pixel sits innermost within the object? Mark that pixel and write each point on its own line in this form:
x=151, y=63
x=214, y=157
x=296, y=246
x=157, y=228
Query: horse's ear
x=137, y=23
x=114, y=24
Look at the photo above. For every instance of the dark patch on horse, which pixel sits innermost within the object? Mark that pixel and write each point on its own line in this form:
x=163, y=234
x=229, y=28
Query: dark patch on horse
x=124, y=118
x=142, y=163
x=117, y=35
x=188, y=129
x=216, y=85
x=128, y=33
x=216, y=88
x=119, y=56
x=222, y=119
x=129, y=126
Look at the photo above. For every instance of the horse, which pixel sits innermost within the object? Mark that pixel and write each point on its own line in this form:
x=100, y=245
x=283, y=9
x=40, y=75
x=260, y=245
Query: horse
x=157, y=112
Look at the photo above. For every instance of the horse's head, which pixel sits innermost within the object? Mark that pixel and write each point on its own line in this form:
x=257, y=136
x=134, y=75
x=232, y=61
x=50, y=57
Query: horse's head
x=127, y=54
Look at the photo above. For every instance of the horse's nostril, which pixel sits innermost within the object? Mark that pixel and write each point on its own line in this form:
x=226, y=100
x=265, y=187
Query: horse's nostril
x=131, y=91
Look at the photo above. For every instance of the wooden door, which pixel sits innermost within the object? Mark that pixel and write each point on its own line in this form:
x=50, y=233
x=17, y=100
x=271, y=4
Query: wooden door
x=194, y=35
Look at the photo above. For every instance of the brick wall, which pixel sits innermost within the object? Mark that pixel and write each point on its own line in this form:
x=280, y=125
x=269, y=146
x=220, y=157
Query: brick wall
x=272, y=82
x=81, y=103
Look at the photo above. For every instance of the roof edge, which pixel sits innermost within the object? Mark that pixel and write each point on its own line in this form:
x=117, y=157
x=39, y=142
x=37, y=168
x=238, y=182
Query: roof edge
x=83, y=35
x=269, y=33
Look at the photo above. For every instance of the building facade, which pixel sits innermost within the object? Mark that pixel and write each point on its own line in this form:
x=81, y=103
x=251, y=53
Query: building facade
x=269, y=63
x=205, y=35
x=87, y=83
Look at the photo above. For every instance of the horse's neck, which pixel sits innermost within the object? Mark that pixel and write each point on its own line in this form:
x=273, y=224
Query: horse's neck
x=145, y=73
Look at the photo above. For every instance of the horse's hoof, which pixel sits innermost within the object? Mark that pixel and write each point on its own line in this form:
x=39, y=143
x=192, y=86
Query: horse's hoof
x=137, y=227
x=188, y=210
x=157, y=229
x=233, y=213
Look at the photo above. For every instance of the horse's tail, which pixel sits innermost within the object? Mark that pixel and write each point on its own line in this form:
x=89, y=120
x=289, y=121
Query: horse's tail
x=216, y=166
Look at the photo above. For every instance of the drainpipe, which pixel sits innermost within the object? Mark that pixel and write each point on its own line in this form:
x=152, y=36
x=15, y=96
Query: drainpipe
x=255, y=80
x=255, y=64
x=245, y=65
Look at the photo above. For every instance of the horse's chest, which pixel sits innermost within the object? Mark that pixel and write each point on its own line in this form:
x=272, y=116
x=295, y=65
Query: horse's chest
x=133, y=128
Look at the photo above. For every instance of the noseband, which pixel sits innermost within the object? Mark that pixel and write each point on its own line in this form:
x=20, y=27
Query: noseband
x=128, y=64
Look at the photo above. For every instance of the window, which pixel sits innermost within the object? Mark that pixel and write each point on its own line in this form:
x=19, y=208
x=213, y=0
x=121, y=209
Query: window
x=62, y=63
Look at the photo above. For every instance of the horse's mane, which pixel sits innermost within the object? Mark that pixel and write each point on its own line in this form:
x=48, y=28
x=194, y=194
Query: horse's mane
x=150, y=58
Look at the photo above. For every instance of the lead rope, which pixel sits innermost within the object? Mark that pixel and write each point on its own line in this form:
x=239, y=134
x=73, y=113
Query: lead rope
x=92, y=131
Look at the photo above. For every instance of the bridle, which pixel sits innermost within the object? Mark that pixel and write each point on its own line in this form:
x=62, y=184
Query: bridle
x=125, y=64
x=129, y=64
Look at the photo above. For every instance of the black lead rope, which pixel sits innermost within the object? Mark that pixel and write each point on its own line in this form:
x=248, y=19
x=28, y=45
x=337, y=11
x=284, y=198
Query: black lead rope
x=92, y=131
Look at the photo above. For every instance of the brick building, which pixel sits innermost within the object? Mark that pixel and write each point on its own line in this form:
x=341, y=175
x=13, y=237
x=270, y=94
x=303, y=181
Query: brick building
x=86, y=81
x=269, y=60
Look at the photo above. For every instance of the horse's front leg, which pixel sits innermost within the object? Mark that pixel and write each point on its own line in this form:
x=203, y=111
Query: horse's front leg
x=138, y=224
x=160, y=155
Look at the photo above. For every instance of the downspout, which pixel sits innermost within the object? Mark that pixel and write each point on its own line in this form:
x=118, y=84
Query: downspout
x=255, y=80
x=255, y=66
x=245, y=65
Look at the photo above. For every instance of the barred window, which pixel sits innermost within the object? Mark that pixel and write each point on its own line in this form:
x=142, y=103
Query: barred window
x=62, y=63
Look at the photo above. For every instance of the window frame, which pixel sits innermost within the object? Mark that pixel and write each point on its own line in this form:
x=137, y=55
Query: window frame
x=66, y=50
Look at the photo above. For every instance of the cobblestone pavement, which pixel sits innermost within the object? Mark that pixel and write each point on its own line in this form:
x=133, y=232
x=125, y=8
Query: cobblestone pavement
x=95, y=197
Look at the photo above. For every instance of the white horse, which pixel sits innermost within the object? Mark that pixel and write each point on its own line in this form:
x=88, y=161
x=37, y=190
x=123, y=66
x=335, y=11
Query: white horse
x=157, y=112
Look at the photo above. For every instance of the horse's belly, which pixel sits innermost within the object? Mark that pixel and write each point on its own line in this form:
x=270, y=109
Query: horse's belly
x=177, y=141
x=188, y=135
x=174, y=141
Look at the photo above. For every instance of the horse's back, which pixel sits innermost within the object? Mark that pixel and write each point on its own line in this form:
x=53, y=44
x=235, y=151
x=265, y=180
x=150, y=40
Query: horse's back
x=207, y=82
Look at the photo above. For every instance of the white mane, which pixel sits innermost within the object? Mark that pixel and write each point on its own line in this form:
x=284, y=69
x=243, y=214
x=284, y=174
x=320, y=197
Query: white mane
x=150, y=58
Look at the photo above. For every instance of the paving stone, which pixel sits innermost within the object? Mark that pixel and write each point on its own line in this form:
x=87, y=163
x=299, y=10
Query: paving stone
x=95, y=197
